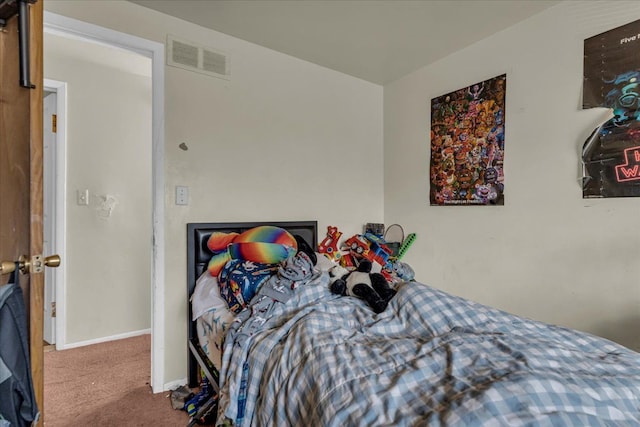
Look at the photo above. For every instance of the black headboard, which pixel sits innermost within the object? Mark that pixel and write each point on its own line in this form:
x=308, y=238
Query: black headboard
x=198, y=256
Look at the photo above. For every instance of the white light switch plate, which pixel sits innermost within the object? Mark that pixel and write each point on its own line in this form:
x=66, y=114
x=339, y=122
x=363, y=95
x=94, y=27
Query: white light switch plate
x=182, y=195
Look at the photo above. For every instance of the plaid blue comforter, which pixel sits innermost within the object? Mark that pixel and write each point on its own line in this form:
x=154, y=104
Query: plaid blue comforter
x=429, y=359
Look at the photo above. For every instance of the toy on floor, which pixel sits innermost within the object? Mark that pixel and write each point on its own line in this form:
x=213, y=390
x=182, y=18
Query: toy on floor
x=370, y=287
x=180, y=396
x=198, y=400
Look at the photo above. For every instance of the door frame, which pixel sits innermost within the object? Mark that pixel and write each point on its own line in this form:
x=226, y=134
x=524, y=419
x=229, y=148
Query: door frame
x=68, y=27
x=59, y=211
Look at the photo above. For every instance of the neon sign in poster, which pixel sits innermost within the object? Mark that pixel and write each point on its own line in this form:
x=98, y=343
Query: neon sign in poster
x=467, y=145
x=611, y=154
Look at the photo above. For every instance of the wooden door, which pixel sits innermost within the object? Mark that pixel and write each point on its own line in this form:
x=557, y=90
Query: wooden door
x=21, y=174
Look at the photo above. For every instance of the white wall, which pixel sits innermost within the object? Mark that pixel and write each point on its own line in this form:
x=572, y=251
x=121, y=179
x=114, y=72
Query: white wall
x=547, y=254
x=108, y=241
x=284, y=139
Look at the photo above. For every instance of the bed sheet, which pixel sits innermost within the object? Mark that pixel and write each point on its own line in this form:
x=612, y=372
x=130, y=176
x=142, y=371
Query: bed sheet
x=430, y=359
x=212, y=316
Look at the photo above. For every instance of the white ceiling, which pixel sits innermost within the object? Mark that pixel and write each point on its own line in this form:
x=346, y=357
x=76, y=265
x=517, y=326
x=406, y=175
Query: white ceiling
x=375, y=40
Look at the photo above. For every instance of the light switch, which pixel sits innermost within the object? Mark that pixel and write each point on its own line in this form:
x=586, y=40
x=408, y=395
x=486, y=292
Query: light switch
x=83, y=197
x=182, y=195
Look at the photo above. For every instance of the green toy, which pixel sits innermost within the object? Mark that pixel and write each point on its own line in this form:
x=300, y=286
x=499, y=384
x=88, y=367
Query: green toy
x=404, y=247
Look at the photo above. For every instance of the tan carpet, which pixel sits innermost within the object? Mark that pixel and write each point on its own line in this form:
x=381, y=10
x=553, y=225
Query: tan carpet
x=105, y=384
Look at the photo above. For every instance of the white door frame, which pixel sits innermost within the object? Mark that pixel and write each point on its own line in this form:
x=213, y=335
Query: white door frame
x=57, y=233
x=68, y=27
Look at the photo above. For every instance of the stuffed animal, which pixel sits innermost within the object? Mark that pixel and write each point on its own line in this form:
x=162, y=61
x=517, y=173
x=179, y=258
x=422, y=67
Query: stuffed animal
x=361, y=283
x=264, y=244
x=336, y=272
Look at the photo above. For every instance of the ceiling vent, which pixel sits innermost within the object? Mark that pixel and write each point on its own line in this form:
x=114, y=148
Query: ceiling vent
x=192, y=57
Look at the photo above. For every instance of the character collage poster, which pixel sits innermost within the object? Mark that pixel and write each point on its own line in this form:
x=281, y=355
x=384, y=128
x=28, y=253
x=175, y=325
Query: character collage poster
x=611, y=155
x=467, y=145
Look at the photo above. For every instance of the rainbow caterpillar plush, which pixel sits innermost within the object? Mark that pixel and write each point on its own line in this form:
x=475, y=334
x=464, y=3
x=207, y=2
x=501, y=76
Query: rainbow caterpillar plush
x=265, y=244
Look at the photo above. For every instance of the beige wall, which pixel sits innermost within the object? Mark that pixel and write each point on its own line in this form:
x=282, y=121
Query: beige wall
x=283, y=139
x=265, y=145
x=108, y=242
x=547, y=254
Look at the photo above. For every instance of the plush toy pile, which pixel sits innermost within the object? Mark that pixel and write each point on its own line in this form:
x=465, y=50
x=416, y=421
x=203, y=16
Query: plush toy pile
x=242, y=262
x=363, y=267
x=366, y=246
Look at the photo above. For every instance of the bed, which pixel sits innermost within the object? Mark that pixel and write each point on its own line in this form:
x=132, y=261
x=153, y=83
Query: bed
x=430, y=358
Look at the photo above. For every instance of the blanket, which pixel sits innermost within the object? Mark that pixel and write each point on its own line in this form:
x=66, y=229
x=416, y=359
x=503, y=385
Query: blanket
x=429, y=359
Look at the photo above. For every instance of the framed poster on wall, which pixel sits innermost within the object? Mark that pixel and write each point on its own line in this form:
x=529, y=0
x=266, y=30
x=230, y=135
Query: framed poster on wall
x=467, y=145
x=611, y=154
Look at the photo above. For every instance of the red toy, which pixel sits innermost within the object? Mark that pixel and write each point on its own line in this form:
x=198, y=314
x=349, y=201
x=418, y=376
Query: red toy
x=357, y=245
x=369, y=247
x=329, y=245
x=347, y=261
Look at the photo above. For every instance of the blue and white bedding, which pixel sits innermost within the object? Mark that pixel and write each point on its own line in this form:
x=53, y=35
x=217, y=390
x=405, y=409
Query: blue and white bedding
x=429, y=359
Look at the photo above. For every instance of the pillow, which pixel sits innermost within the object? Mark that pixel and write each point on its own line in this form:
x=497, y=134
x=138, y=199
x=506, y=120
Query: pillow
x=206, y=296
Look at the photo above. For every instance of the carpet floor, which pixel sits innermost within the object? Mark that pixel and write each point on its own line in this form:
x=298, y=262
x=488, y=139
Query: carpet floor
x=106, y=384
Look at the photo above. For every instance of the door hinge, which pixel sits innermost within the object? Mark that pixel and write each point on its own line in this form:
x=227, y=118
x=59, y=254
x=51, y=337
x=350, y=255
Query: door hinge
x=54, y=123
x=53, y=309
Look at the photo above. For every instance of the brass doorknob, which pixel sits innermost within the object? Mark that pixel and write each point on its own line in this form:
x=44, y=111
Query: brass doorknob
x=7, y=267
x=34, y=265
x=52, y=261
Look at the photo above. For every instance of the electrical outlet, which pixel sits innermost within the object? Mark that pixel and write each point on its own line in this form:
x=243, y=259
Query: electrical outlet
x=83, y=197
x=182, y=195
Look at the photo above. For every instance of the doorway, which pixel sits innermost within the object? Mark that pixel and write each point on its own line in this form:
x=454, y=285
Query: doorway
x=54, y=191
x=66, y=27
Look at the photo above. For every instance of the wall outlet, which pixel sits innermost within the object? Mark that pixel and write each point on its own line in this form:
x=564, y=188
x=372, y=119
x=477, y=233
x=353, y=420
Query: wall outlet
x=83, y=197
x=182, y=195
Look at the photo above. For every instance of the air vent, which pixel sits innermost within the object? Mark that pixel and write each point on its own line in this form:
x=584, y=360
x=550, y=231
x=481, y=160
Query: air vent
x=192, y=57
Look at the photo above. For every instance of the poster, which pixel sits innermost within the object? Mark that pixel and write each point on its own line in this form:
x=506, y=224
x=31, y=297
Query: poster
x=611, y=154
x=467, y=145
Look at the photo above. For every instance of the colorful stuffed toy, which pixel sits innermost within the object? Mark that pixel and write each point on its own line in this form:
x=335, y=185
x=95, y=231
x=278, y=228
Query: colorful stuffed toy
x=361, y=283
x=265, y=244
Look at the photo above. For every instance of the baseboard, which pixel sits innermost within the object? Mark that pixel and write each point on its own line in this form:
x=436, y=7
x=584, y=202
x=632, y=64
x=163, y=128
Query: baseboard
x=105, y=339
x=174, y=384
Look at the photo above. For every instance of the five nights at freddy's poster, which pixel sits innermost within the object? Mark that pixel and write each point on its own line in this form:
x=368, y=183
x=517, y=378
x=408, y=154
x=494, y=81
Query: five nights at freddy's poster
x=611, y=154
x=467, y=145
